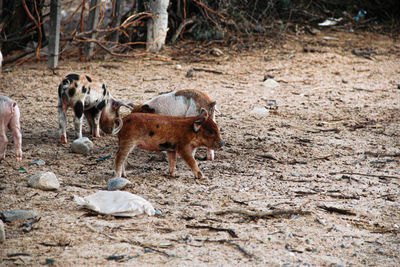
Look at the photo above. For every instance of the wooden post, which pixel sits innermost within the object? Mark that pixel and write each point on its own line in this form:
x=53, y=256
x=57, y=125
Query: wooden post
x=93, y=20
x=54, y=34
x=116, y=20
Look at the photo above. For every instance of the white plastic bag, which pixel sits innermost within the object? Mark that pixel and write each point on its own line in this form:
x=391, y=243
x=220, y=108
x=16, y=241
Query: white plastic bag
x=116, y=203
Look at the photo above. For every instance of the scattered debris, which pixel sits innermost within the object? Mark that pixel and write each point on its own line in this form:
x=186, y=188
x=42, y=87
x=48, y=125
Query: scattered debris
x=229, y=231
x=330, y=22
x=116, y=203
x=337, y=210
x=121, y=258
x=103, y=158
x=262, y=214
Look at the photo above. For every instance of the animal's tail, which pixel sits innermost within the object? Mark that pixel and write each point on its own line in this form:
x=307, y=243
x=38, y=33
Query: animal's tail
x=120, y=123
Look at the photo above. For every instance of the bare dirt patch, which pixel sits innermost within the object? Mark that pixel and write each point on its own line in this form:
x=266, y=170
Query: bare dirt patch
x=333, y=142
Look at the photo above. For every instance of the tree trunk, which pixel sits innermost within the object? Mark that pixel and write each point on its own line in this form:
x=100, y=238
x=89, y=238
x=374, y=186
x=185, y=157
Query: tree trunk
x=157, y=26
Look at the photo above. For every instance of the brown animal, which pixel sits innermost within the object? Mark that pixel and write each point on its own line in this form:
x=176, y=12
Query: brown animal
x=186, y=103
x=176, y=135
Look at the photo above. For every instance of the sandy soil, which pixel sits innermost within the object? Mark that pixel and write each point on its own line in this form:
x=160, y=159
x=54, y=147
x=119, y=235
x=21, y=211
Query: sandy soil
x=333, y=141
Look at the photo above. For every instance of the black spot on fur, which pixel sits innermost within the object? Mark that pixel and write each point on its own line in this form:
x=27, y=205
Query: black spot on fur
x=71, y=92
x=157, y=126
x=151, y=133
x=104, y=89
x=128, y=120
x=101, y=105
x=72, y=77
x=89, y=90
x=167, y=145
x=88, y=78
x=78, y=109
x=76, y=84
x=84, y=89
x=94, y=112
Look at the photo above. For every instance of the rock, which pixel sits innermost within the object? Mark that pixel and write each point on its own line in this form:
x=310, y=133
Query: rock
x=190, y=73
x=158, y=212
x=117, y=183
x=260, y=111
x=14, y=215
x=270, y=83
x=178, y=67
x=82, y=145
x=44, y=181
x=2, y=232
x=38, y=162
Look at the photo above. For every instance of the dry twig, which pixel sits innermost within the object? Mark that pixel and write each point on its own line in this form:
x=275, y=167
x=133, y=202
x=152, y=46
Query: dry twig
x=263, y=215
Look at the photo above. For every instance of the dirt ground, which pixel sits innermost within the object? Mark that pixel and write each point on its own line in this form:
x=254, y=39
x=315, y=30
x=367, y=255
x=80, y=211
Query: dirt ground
x=332, y=142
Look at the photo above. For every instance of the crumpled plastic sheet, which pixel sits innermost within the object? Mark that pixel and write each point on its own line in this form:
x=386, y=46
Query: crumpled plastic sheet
x=116, y=203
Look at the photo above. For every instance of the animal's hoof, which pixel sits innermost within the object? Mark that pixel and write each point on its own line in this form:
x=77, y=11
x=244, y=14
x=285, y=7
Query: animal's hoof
x=63, y=139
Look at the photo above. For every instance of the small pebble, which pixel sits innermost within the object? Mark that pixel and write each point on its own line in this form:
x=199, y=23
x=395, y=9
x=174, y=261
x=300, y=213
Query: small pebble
x=344, y=245
x=50, y=261
x=260, y=111
x=270, y=83
x=158, y=212
x=13, y=215
x=38, y=162
x=117, y=183
x=178, y=67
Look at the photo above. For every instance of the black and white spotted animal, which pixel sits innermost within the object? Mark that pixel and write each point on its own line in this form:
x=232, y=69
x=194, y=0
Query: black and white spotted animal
x=90, y=97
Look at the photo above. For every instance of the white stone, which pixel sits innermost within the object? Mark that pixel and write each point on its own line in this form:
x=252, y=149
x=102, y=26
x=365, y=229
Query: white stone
x=44, y=181
x=178, y=67
x=260, y=111
x=2, y=232
x=82, y=145
x=270, y=83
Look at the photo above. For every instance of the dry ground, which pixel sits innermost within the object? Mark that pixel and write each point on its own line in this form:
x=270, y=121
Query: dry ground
x=333, y=141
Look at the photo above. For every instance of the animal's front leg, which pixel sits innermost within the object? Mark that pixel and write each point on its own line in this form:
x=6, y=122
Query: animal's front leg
x=62, y=120
x=172, y=158
x=89, y=118
x=78, y=109
x=186, y=155
x=96, y=122
x=16, y=132
x=125, y=147
x=3, y=143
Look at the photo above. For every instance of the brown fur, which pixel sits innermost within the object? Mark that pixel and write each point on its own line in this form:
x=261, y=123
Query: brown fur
x=176, y=135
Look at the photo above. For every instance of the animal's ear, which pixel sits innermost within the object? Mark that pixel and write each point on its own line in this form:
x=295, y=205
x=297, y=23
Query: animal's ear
x=117, y=104
x=197, y=123
x=211, y=107
x=203, y=113
x=147, y=109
